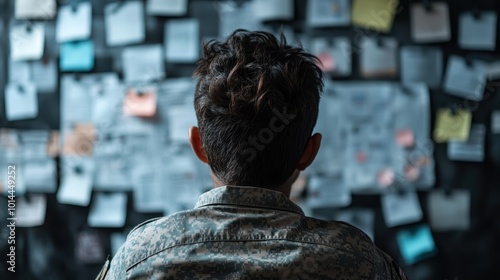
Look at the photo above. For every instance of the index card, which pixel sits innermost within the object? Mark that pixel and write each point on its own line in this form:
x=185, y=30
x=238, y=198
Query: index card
x=379, y=58
x=478, y=32
x=401, y=208
x=167, y=8
x=74, y=22
x=27, y=41
x=324, y=13
x=430, y=23
x=31, y=213
x=182, y=40
x=143, y=63
x=416, y=243
x=108, y=210
x=124, y=23
x=42, y=9
x=273, y=9
x=422, y=64
x=21, y=101
x=377, y=15
x=77, y=56
x=472, y=149
x=449, y=211
x=465, y=79
x=452, y=125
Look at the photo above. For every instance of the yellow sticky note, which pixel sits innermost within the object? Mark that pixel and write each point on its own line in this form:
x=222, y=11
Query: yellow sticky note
x=451, y=125
x=376, y=15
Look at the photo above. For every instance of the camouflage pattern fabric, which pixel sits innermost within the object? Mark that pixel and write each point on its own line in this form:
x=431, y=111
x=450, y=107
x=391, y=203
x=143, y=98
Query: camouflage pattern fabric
x=248, y=233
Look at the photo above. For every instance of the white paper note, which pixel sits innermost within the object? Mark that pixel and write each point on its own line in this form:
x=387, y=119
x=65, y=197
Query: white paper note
x=470, y=150
x=182, y=40
x=45, y=75
x=108, y=210
x=422, y=64
x=74, y=22
x=477, y=32
x=42, y=175
x=401, y=208
x=21, y=101
x=449, y=211
x=467, y=81
x=27, y=41
x=430, y=24
x=43, y=9
x=143, y=63
x=124, y=23
x=273, y=9
x=379, y=57
x=31, y=213
x=76, y=182
x=167, y=8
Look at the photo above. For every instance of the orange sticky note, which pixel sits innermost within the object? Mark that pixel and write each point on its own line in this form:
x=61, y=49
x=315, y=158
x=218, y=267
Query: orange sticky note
x=140, y=103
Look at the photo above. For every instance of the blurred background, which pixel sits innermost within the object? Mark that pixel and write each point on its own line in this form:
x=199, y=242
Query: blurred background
x=97, y=98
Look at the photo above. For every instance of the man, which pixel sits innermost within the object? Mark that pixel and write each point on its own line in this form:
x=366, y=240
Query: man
x=256, y=101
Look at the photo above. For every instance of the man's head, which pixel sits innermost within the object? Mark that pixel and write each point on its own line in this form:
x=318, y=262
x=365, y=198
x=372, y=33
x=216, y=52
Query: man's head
x=256, y=101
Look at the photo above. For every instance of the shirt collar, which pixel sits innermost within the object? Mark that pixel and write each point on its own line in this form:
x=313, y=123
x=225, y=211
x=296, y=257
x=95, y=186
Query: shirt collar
x=248, y=196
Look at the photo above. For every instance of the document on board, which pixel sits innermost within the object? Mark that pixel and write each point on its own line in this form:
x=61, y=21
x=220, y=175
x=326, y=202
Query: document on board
x=401, y=208
x=379, y=57
x=21, y=101
x=45, y=75
x=31, y=213
x=108, y=210
x=76, y=181
x=377, y=15
x=452, y=125
x=77, y=56
x=143, y=63
x=477, y=31
x=324, y=13
x=472, y=149
x=167, y=8
x=449, y=210
x=124, y=23
x=466, y=79
x=182, y=40
x=74, y=22
x=35, y=9
x=42, y=175
x=27, y=41
x=416, y=243
x=430, y=22
x=273, y=9
x=334, y=54
x=422, y=64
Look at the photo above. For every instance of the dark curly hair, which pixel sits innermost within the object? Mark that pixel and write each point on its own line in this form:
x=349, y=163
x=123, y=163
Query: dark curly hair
x=256, y=101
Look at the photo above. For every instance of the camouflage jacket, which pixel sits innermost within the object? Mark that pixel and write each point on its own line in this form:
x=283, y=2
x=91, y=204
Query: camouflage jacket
x=248, y=233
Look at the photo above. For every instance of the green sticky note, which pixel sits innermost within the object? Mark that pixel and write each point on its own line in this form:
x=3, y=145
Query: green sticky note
x=416, y=243
x=77, y=56
x=376, y=15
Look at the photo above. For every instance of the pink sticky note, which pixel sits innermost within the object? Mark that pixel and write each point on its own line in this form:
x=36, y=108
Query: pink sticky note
x=327, y=61
x=405, y=138
x=140, y=104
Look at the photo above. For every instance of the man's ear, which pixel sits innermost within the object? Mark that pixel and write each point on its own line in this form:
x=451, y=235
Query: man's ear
x=310, y=152
x=195, y=141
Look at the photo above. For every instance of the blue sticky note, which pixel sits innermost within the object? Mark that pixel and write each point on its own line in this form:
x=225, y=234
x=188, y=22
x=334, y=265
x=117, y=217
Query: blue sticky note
x=77, y=56
x=416, y=243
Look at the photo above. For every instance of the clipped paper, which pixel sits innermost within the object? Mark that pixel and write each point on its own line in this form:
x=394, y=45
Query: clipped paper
x=466, y=79
x=379, y=57
x=35, y=9
x=477, y=31
x=143, y=63
x=430, y=22
x=472, y=149
x=452, y=125
x=21, y=101
x=449, y=211
x=182, y=40
x=401, y=208
x=74, y=22
x=77, y=56
x=422, y=64
x=108, y=210
x=167, y=8
x=416, y=243
x=374, y=15
x=124, y=23
x=27, y=41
